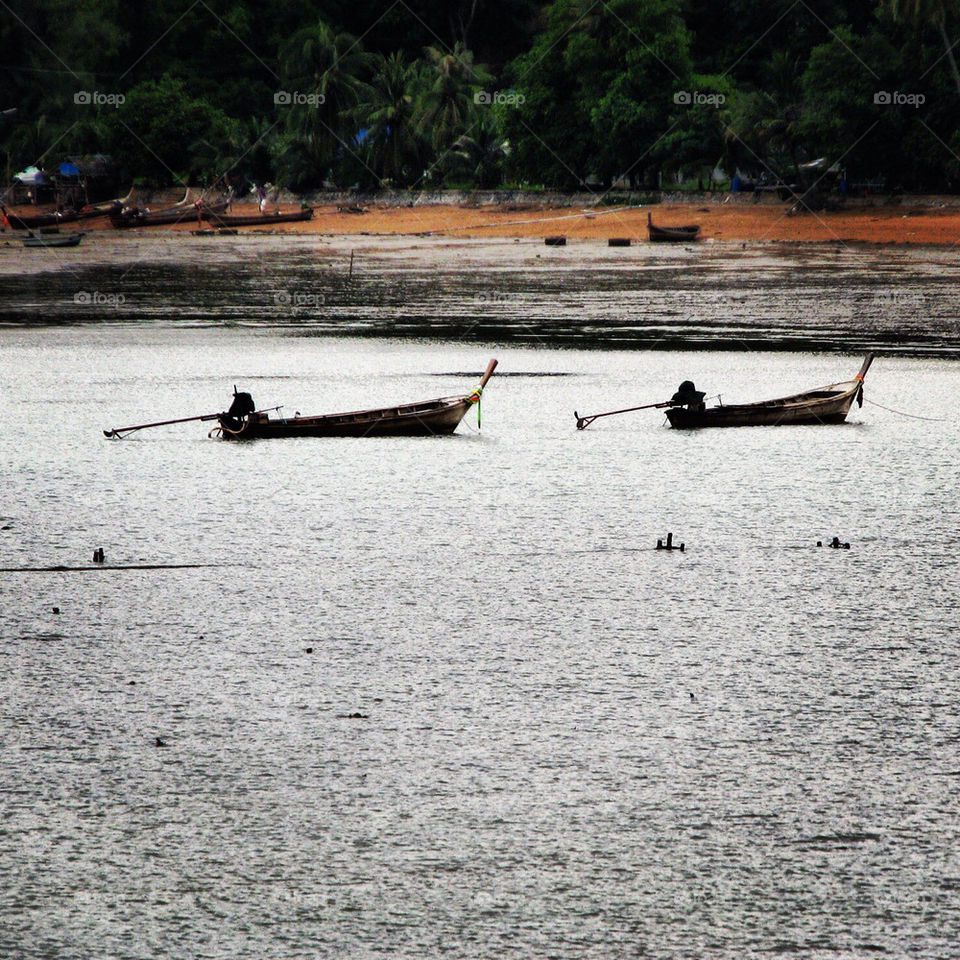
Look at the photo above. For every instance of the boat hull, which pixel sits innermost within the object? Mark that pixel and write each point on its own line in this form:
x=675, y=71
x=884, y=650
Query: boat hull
x=259, y=219
x=673, y=234
x=40, y=220
x=430, y=418
x=64, y=240
x=827, y=405
x=127, y=219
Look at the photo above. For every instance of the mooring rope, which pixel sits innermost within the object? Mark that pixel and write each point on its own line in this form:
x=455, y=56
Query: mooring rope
x=912, y=416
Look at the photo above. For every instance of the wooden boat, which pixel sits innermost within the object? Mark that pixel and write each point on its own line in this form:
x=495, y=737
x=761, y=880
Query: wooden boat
x=106, y=208
x=258, y=219
x=429, y=417
x=53, y=240
x=35, y=220
x=828, y=404
x=179, y=213
x=684, y=234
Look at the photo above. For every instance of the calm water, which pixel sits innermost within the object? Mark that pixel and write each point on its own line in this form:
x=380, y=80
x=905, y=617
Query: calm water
x=571, y=745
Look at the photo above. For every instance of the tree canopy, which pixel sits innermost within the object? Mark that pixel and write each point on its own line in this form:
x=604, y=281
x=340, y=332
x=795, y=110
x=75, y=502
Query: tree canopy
x=566, y=95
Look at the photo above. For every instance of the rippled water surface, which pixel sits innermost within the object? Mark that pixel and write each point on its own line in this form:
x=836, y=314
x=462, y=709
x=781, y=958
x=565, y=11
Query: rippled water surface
x=441, y=696
x=848, y=296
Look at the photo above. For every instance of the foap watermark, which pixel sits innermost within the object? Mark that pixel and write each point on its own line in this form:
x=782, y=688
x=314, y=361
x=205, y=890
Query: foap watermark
x=696, y=98
x=94, y=98
x=95, y=298
x=886, y=98
x=510, y=98
x=298, y=299
x=898, y=300
x=294, y=98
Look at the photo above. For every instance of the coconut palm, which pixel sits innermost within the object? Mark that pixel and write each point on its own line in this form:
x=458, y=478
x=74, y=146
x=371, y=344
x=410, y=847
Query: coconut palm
x=446, y=104
x=482, y=150
x=386, y=110
x=319, y=63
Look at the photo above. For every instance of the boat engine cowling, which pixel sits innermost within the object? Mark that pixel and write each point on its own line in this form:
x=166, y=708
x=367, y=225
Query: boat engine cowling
x=688, y=395
x=242, y=405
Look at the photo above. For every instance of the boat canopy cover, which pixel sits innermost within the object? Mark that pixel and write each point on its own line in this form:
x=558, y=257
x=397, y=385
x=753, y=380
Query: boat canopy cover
x=31, y=175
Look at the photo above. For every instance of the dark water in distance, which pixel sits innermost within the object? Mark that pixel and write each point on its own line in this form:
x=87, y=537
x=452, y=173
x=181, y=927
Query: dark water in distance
x=774, y=296
x=570, y=744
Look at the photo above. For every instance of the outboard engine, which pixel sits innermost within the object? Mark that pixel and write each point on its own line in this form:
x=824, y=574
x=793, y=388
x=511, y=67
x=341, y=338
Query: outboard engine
x=241, y=406
x=689, y=396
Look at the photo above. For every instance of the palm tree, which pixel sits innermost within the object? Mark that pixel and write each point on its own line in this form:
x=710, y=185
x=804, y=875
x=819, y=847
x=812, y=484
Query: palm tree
x=317, y=62
x=935, y=13
x=386, y=109
x=482, y=150
x=447, y=104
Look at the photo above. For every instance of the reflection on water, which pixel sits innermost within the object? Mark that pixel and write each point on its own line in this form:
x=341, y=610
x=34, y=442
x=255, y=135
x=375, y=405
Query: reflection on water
x=902, y=300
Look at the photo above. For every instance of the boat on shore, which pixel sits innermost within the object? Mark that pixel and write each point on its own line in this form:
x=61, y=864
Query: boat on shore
x=53, y=239
x=259, y=219
x=426, y=418
x=829, y=404
x=682, y=234
x=34, y=221
x=105, y=208
x=186, y=209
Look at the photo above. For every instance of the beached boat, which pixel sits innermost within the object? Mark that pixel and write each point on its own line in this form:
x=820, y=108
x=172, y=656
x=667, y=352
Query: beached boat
x=179, y=213
x=259, y=219
x=439, y=416
x=35, y=220
x=829, y=404
x=683, y=234
x=53, y=240
x=106, y=208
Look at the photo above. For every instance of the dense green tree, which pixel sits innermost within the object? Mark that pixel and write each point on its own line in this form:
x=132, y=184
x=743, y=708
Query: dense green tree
x=599, y=83
x=168, y=136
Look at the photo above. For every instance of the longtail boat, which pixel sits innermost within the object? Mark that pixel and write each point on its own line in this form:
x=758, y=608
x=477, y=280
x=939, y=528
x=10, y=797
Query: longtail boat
x=682, y=234
x=179, y=213
x=34, y=220
x=439, y=416
x=105, y=208
x=258, y=219
x=829, y=404
x=244, y=422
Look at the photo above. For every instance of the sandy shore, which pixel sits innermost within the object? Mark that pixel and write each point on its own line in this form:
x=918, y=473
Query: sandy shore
x=719, y=221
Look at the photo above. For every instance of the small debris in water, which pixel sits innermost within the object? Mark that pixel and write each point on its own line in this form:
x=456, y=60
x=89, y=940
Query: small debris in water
x=158, y=741
x=835, y=544
x=56, y=609
x=669, y=545
x=352, y=716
